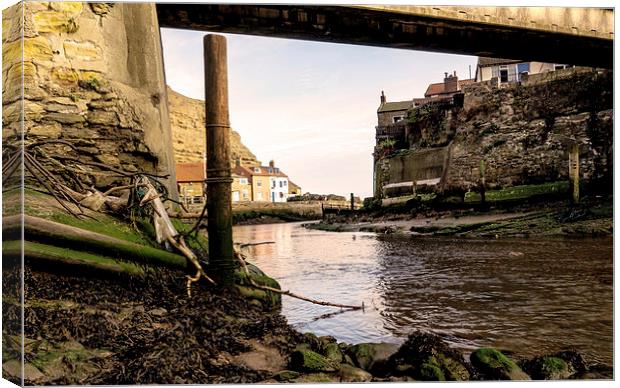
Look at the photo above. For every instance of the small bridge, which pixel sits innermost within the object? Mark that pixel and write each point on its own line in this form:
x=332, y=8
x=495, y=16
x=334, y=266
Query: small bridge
x=578, y=36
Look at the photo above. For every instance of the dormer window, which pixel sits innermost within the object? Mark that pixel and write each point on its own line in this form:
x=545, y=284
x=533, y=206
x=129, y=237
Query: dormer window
x=256, y=169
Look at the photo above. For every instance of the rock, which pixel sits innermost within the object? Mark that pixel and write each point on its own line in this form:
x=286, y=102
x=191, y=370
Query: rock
x=548, y=368
x=313, y=341
x=102, y=117
x=158, y=312
x=65, y=118
x=332, y=352
x=430, y=370
x=56, y=22
x=84, y=51
x=426, y=356
x=101, y=9
x=51, y=130
x=595, y=372
x=351, y=374
x=270, y=300
x=286, y=375
x=493, y=365
x=315, y=378
x=309, y=361
x=327, y=339
x=369, y=356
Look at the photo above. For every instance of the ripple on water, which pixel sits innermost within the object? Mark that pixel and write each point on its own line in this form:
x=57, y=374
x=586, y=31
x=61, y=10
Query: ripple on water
x=526, y=296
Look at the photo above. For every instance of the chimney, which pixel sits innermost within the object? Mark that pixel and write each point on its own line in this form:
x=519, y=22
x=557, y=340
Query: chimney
x=272, y=164
x=383, y=99
x=450, y=83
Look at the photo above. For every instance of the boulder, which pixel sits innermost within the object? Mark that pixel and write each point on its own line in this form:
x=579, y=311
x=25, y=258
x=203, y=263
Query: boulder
x=351, y=374
x=371, y=356
x=332, y=352
x=312, y=340
x=427, y=357
x=269, y=300
x=548, y=368
x=309, y=361
x=491, y=364
x=286, y=375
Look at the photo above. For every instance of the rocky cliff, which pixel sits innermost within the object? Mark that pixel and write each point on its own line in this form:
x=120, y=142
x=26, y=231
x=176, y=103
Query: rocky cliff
x=187, y=119
x=519, y=134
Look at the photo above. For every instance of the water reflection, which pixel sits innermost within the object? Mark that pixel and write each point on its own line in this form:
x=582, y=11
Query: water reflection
x=526, y=296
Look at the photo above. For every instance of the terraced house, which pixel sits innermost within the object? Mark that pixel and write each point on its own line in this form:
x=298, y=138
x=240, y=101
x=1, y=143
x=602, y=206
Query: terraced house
x=268, y=183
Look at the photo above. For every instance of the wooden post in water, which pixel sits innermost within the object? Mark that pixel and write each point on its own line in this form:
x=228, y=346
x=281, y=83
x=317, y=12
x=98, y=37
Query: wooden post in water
x=573, y=172
x=352, y=202
x=221, y=262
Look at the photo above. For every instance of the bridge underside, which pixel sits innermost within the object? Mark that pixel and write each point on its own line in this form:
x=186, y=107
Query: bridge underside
x=380, y=27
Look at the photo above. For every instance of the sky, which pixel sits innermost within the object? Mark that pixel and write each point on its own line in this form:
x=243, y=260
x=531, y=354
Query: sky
x=309, y=106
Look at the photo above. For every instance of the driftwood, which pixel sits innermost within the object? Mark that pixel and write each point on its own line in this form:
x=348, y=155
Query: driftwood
x=239, y=256
x=165, y=231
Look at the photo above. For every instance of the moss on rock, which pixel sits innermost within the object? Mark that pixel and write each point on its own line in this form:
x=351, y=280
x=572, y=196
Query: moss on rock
x=494, y=365
x=309, y=361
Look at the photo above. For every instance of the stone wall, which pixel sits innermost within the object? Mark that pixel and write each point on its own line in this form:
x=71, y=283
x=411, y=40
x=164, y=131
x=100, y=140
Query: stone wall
x=521, y=133
x=93, y=76
x=187, y=119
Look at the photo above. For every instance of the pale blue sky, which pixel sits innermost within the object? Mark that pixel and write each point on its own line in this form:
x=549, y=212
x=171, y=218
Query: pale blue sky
x=310, y=106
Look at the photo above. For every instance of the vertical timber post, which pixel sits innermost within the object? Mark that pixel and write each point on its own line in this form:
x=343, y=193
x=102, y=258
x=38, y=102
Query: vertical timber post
x=221, y=262
x=352, y=202
x=573, y=172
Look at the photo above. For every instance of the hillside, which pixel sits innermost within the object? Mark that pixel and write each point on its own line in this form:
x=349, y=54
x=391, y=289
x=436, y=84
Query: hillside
x=187, y=119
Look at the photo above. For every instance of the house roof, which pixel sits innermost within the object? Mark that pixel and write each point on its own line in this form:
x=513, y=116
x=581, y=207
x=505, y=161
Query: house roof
x=487, y=61
x=440, y=87
x=263, y=171
x=292, y=185
x=190, y=172
x=395, y=106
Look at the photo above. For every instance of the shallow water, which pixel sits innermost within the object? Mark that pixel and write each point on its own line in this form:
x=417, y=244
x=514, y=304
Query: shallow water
x=527, y=296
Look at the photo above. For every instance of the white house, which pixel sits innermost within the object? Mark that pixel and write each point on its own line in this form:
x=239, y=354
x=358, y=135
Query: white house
x=510, y=70
x=278, y=188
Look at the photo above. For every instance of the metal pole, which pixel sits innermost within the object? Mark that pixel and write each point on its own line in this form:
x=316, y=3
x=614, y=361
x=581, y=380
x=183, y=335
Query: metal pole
x=221, y=262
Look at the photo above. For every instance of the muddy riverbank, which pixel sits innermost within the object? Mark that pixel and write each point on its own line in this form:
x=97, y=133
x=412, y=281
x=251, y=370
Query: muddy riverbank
x=107, y=331
x=591, y=218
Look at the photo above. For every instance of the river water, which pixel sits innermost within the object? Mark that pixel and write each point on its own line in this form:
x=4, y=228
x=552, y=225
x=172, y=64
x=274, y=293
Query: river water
x=526, y=296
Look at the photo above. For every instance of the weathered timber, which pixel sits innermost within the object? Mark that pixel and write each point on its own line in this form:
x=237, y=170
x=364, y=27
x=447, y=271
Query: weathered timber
x=221, y=261
x=54, y=233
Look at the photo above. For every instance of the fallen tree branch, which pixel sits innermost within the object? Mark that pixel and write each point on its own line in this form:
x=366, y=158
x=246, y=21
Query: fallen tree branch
x=243, y=245
x=241, y=260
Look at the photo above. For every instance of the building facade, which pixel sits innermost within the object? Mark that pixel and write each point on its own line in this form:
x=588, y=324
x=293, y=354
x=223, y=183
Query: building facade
x=241, y=189
x=511, y=70
x=268, y=183
x=191, y=183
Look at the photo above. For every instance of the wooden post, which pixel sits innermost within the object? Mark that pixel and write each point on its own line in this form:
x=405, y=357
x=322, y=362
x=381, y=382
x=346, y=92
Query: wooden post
x=221, y=262
x=573, y=172
x=352, y=202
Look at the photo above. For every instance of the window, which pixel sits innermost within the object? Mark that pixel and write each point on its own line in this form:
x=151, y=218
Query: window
x=243, y=181
x=260, y=196
x=285, y=183
x=256, y=169
x=522, y=68
x=397, y=118
x=281, y=183
x=244, y=194
x=259, y=183
x=271, y=170
x=503, y=74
